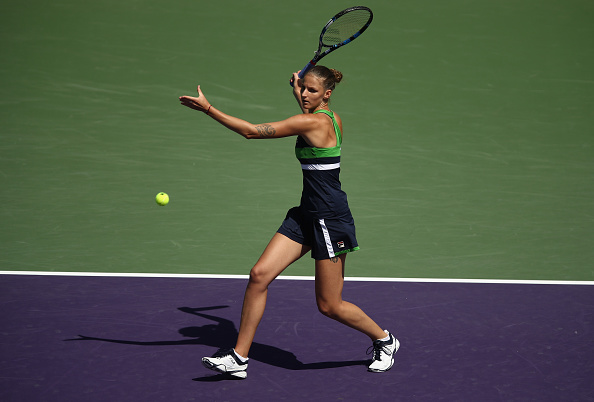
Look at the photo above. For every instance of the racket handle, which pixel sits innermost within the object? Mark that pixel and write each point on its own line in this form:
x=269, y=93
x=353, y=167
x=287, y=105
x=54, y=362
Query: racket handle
x=305, y=69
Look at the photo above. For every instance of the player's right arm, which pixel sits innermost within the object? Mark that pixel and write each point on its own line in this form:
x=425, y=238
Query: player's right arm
x=297, y=84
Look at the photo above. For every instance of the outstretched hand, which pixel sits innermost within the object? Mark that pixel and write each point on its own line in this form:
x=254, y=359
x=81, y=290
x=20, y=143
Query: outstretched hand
x=197, y=103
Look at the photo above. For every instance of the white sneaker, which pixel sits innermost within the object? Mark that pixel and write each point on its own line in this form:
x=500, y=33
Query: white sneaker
x=226, y=362
x=383, y=354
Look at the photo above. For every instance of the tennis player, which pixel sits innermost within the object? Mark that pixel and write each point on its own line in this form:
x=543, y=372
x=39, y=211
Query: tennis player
x=322, y=223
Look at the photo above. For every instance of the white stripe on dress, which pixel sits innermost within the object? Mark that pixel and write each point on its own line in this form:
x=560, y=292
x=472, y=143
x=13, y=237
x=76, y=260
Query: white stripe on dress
x=327, y=166
x=327, y=238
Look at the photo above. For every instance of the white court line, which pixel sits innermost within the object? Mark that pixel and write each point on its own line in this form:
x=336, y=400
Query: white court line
x=300, y=278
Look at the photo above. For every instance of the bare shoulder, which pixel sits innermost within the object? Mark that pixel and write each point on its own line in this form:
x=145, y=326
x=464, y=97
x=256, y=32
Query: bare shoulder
x=311, y=122
x=304, y=119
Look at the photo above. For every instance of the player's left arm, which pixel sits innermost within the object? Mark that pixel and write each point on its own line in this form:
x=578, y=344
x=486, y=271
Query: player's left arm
x=302, y=124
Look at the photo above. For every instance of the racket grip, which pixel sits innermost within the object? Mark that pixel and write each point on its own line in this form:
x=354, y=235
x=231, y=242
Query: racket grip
x=305, y=69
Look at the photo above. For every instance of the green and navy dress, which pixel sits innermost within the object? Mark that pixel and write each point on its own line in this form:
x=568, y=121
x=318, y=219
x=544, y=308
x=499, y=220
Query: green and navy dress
x=323, y=219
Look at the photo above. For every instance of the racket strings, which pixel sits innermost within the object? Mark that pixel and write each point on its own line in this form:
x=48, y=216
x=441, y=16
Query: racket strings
x=345, y=27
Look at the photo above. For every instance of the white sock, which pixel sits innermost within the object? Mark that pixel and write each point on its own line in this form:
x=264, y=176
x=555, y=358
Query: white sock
x=386, y=339
x=241, y=358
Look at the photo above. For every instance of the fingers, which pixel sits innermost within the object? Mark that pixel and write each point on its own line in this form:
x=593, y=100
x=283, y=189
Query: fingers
x=194, y=98
x=190, y=102
x=294, y=78
x=193, y=102
x=196, y=102
x=188, y=99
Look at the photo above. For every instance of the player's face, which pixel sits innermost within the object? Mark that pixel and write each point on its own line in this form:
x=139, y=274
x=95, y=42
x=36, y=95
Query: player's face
x=313, y=92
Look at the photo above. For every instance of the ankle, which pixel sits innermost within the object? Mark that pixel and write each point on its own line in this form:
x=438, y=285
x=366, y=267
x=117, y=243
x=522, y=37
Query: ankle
x=385, y=336
x=240, y=357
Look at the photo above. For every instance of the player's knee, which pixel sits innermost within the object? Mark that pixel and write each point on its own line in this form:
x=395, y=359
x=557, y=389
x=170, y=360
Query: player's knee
x=259, y=276
x=330, y=310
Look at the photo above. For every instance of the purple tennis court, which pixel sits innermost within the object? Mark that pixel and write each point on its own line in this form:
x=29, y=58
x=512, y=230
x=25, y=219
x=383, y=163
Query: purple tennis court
x=69, y=338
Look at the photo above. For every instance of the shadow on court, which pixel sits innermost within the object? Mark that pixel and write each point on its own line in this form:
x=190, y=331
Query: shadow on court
x=223, y=335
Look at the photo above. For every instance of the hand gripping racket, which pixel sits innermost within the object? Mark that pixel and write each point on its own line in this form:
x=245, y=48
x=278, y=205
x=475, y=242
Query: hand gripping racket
x=343, y=28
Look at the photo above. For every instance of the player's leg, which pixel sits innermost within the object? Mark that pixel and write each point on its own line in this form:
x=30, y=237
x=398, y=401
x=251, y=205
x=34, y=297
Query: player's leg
x=278, y=255
x=329, y=285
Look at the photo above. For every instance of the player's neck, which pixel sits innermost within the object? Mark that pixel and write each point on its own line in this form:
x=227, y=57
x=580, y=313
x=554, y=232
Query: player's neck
x=322, y=106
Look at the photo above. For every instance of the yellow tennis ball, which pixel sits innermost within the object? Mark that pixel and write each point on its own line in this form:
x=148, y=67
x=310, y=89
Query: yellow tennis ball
x=162, y=199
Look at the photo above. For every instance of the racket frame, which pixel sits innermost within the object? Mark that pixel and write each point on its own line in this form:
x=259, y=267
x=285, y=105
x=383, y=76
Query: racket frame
x=319, y=54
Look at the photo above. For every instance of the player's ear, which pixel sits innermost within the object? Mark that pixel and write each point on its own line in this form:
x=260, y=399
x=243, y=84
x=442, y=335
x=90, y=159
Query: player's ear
x=327, y=94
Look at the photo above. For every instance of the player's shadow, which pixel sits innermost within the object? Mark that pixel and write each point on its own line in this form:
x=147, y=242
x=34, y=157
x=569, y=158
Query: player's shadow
x=223, y=335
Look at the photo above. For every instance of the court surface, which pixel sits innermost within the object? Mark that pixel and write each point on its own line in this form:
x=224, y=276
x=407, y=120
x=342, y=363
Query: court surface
x=468, y=159
x=138, y=339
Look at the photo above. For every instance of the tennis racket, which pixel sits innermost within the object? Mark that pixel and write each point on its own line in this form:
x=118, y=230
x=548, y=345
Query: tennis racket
x=343, y=28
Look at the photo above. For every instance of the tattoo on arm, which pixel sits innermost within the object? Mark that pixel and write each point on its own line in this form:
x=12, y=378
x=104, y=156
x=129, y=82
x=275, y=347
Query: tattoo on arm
x=265, y=130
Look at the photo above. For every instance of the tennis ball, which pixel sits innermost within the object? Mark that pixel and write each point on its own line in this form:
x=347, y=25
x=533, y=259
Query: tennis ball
x=162, y=199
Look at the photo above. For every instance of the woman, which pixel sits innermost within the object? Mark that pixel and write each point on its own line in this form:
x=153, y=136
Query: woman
x=322, y=223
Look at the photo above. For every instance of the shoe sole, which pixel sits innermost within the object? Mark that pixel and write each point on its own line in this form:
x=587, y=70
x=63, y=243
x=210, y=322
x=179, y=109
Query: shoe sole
x=391, y=360
x=237, y=374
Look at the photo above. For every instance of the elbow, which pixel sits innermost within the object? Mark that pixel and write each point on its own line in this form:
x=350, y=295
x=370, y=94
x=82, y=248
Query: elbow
x=250, y=133
x=247, y=134
x=257, y=131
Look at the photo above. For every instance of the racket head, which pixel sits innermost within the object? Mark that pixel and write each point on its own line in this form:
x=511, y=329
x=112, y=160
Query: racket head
x=346, y=26
x=343, y=28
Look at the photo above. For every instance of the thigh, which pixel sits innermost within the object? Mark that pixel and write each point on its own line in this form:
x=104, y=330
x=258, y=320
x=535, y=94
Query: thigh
x=278, y=255
x=330, y=279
